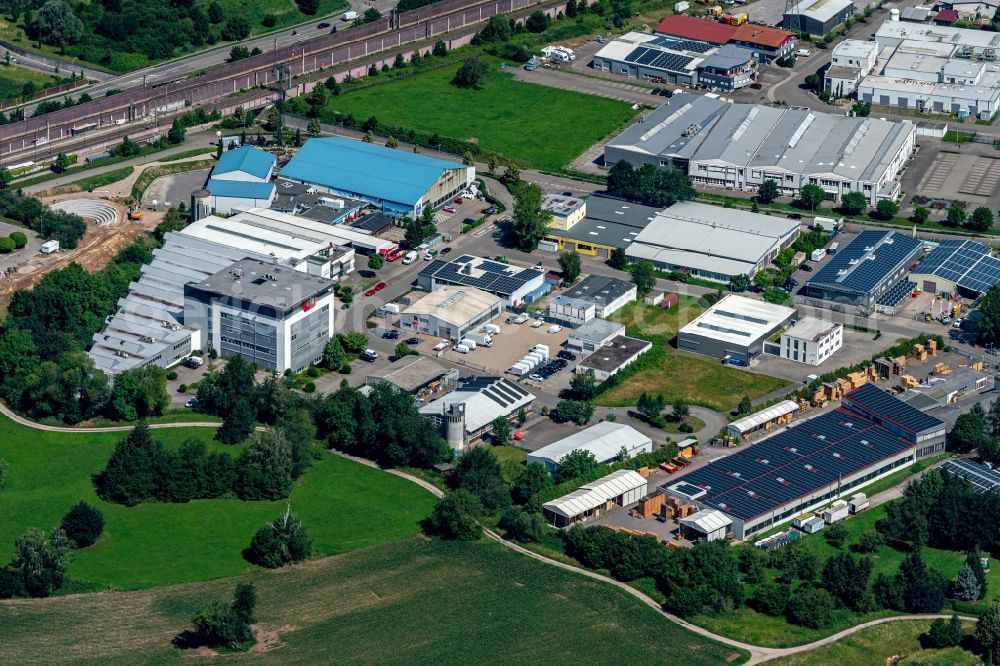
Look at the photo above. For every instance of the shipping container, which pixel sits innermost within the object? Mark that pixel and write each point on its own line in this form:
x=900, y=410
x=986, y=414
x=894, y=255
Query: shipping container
x=50, y=246
x=836, y=512
x=858, y=503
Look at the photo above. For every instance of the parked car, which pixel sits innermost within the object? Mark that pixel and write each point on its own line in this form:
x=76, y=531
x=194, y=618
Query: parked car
x=489, y=211
x=806, y=267
x=380, y=286
x=536, y=377
x=413, y=342
x=192, y=402
x=448, y=209
x=391, y=335
x=369, y=355
x=445, y=250
x=794, y=216
x=567, y=355
x=322, y=26
x=194, y=362
x=370, y=292
x=459, y=200
x=654, y=91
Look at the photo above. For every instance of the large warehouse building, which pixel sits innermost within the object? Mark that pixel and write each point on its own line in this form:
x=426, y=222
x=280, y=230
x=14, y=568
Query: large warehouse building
x=242, y=178
x=820, y=17
x=605, y=441
x=736, y=327
x=467, y=413
x=962, y=266
x=739, y=146
x=591, y=500
x=609, y=224
x=934, y=68
x=696, y=239
x=399, y=182
x=805, y=467
x=451, y=312
x=149, y=327
x=766, y=42
x=867, y=268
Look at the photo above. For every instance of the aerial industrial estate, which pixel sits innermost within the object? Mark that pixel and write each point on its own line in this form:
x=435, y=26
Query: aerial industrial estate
x=381, y=314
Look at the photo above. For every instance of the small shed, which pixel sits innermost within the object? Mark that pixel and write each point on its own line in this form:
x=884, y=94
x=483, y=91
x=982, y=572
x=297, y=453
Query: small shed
x=707, y=525
x=813, y=525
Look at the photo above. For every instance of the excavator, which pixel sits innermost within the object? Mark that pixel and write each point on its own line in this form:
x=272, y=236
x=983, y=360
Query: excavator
x=134, y=213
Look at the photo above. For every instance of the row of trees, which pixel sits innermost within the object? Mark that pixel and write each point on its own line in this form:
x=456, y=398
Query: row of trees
x=649, y=185
x=141, y=469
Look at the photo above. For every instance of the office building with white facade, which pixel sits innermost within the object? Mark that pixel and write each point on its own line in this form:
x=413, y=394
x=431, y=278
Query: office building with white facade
x=852, y=60
x=811, y=340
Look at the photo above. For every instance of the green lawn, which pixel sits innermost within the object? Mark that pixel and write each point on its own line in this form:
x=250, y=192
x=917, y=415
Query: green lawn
x=541, y=126
x=13, y=78
x=94, y=181
x=651, y=322
x=410, y=602
x=344, y=505
x=875, y=646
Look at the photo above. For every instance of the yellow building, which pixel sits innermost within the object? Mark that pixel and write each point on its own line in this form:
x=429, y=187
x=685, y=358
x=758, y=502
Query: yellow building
x=566, y=211
x=599, y=225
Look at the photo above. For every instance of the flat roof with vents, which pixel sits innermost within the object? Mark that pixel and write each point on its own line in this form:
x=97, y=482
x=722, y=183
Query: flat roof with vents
x=738, y=319
x=454, y=305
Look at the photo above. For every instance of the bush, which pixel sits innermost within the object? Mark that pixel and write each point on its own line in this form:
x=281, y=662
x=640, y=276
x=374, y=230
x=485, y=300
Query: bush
x=20, y=240
x=685, y=428
x=454, y=516
x=171, y=375
x=282, y=542
x=182, y=388
x=83, y=524
x=313, y=371
x=310, y=387
x=684, y=602
x=810, y=607
x=6, y=245
x=771, y=598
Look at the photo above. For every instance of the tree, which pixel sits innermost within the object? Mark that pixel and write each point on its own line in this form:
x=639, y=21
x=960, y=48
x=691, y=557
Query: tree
x=236, y=424
x=313, y=127
x=973, y=559
x=923, y=588
x=618, y=259
x=402, y=350
x=763, y=280
x=956, y=216
x=861, y=109
x=968, y=434
x=886, y=209
x=227, y=625
x=371, y=15
x=62, y=163
x=308, y=7
x=771, y=598
x=5, y=177
x=297, y=139
x=767, y=192
x=920, y=214
x=869, y=541
x=478, y=471
x=391, y=142
x=454, y=516
x=471, y=74
x=139, y=393
x=989, y=317
x=942, y=635
x=511, y=174
x=966, y=587
x=282, y=542
x=582, y=386
x=680, y=410
x=988, y=630
x=83, y=524
x=739, y=283
x=497, y=29
x=836, y=535
x=57, y=24
x=981, y=220
x=236, y=28
x=810, y=607
x=538, y=22
x=650, y=405
x=745, y=406
x=577, y=411
x=440, y=49
x=854, y=202
x=130, y=477
x=532, y=480
x=215, y=14
x=530, y=221
x=6, y=245
x=846, y=578
x=643, y=275
x=245, y=602
x=521, y=525
x=501, y=431
x=375, y=261
x=813, y=82
x=468, y=159
x=569, y=262
x=264, y=468
x=811, y=195
x=40, y=561
x=576, y=464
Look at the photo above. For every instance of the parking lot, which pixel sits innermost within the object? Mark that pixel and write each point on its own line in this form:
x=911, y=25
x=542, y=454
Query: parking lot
x=857, y=347
x=966, y=172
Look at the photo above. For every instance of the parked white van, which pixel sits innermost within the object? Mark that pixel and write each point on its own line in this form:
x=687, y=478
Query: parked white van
x=410, y=257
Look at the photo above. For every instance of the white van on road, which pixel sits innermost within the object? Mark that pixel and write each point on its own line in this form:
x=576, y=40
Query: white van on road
x=410, y=257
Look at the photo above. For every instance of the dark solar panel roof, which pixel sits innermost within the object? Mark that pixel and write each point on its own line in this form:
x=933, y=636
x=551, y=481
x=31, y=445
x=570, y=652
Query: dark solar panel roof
x=896, y=293
x=485, y=274
x=794, y=463
x=657, y=59
x=878, y=403
x=636, y=54
x=860, y=266
x=982, y=478
x=966, y=263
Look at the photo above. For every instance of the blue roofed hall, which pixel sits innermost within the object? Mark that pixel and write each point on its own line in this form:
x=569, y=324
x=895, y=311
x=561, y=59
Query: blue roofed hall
x=230, y=194
x=246, y=164
x=399, y=182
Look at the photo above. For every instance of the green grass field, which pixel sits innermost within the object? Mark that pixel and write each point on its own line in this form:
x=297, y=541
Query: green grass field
x=414, y=601
x=875, y=646
x=13, y=78
x=344, y=505
x=544, y=127
x=95, y=181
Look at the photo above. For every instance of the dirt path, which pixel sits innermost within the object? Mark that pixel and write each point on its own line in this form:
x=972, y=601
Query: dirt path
x=758, y=654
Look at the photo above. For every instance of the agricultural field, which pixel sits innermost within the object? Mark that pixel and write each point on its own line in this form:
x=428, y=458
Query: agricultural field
x=880, y=645
x=344, y=505
x=429, y=601
x=504, y=116
x=14, y=78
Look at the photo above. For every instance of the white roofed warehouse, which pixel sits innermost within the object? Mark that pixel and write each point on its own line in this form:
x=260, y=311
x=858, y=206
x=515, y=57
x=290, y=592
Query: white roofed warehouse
x=605, y=441
x=451, y=312
x=734, y=329
x=592, y=500
x=712, y=243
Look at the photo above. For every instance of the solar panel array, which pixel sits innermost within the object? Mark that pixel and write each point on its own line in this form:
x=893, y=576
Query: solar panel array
x=485, y=274
x=656, y=59
x=876, y=403
x=968, y=264
x=982, y=478
x=682, y=44
x=896, y=293
x=794, y=463
x=852, y=270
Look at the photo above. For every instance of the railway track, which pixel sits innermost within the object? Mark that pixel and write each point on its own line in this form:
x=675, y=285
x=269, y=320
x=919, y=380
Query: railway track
x=451, y=21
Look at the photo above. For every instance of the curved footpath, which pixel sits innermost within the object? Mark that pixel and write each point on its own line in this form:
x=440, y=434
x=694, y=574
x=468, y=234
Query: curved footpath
x=758, y=654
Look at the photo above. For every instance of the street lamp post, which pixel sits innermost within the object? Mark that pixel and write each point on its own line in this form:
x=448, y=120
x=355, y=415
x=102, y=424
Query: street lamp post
x=218, y=153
